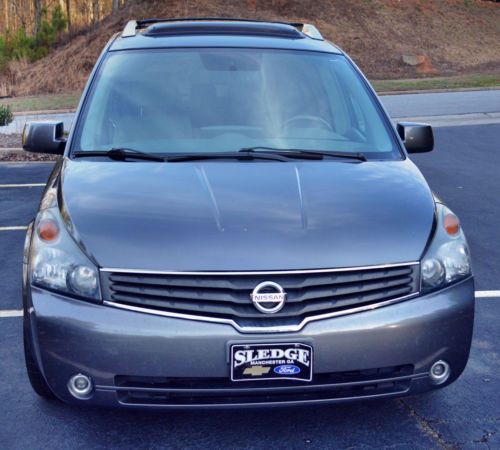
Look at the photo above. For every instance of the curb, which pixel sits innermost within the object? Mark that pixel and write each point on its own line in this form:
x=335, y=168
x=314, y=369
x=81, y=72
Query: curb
x=454, y=119
x=44, y=111
x=23, y=162
x=12, y=151
x=438, y=90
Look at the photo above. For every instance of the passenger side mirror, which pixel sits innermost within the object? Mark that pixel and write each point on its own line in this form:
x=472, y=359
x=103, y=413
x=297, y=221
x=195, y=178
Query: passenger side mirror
x=417, y=137
x=44, y=137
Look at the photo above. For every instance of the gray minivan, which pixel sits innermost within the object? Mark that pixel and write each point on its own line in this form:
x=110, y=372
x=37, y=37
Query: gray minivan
x=234, y=221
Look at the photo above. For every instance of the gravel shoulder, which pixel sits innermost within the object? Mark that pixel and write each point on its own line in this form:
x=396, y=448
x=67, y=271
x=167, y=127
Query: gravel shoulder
x=11, y=150
x=10, y=140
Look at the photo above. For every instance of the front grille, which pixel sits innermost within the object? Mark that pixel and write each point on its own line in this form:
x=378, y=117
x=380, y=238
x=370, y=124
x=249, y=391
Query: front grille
x=221, y=391
x=227, y=295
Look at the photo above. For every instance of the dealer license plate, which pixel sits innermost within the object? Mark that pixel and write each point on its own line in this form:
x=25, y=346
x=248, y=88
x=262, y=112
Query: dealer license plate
x=286, y=361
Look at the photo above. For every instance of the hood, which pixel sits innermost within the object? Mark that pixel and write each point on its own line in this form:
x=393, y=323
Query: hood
x=210, y=216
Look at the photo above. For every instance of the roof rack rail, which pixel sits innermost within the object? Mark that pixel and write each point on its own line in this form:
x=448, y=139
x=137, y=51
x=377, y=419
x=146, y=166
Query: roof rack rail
x=311, y=31
x=129, y=29
x=133, y=25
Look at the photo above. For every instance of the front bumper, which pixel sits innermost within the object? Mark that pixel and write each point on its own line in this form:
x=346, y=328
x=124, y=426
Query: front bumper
x=139, y=359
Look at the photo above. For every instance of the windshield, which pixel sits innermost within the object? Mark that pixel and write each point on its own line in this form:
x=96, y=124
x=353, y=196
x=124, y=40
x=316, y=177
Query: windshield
x=180, y=101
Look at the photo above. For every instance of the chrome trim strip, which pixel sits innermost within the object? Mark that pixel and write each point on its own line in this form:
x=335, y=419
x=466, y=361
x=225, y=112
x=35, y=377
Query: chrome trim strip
x=303, y=387
x=275, y=329
x=263, y=272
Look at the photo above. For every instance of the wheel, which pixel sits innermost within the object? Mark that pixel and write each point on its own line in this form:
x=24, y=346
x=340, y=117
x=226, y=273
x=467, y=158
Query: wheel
x=37, y=381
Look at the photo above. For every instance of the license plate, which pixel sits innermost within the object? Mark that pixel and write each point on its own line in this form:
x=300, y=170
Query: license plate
x=287, y=361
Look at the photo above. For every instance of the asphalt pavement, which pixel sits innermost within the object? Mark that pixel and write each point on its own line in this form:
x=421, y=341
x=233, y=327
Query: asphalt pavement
x=463, y=170
x=442, y=103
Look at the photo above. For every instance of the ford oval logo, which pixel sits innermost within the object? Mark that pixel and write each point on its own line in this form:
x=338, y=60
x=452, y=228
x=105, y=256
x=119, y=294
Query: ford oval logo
x=288, y=369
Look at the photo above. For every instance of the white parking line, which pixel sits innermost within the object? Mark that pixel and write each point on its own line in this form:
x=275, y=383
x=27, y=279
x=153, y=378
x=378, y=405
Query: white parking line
x=11, y=313
x=487, y=294
x=28, y=185
x=13, y=228
x=19, y=312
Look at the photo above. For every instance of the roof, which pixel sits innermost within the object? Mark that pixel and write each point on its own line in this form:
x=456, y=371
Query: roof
x=216, y=32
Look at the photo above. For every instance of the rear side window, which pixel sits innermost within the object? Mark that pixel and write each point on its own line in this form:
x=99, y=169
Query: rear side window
x=213, y=100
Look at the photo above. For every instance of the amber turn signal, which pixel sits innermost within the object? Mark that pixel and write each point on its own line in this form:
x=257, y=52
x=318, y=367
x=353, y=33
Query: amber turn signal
x=48, y=230
x=451, y=224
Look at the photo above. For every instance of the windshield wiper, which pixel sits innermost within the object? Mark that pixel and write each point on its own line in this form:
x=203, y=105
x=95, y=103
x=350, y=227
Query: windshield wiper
x=244, y=154
x=304, y=154
x=120, y=154
x=240, y=155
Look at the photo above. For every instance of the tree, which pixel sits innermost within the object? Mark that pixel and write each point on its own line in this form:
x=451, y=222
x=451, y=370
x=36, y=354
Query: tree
x=38, y=15
x=68, y=13
x=19, y=12
x=95, y=11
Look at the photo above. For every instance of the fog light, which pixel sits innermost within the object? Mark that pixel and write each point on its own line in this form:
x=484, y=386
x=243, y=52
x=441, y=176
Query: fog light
x=440, y=372
x=80, y=386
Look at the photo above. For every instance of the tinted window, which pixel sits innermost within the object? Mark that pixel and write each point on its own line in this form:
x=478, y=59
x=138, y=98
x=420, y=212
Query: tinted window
x=213, y=100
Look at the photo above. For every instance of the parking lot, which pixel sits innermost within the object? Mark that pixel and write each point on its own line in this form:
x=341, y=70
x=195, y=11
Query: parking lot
x=463, y=170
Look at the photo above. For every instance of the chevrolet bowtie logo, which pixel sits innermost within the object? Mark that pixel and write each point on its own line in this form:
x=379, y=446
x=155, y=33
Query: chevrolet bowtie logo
x=256, y=371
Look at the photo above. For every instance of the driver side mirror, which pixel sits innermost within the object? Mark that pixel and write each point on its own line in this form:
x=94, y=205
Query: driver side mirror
x=417, y=137
x=44, y=137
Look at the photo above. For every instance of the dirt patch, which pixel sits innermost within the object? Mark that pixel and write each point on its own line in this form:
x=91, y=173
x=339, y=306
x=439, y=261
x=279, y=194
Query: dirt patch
x=458, y=37
x=9, y=150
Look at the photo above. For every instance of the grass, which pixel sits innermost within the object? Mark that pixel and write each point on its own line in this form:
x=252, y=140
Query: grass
x=42, y=102
x=70, y=101
x=437, y=83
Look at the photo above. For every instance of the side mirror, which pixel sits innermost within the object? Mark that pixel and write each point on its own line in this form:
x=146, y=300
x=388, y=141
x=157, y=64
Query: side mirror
x=417, y=137
x=44, y=137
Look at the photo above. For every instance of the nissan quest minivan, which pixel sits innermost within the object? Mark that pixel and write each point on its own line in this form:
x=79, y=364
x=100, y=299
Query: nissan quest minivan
x=235, y=222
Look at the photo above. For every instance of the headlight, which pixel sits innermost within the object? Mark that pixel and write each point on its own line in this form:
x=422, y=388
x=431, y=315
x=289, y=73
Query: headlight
x=56, y=261
x=447, y=260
